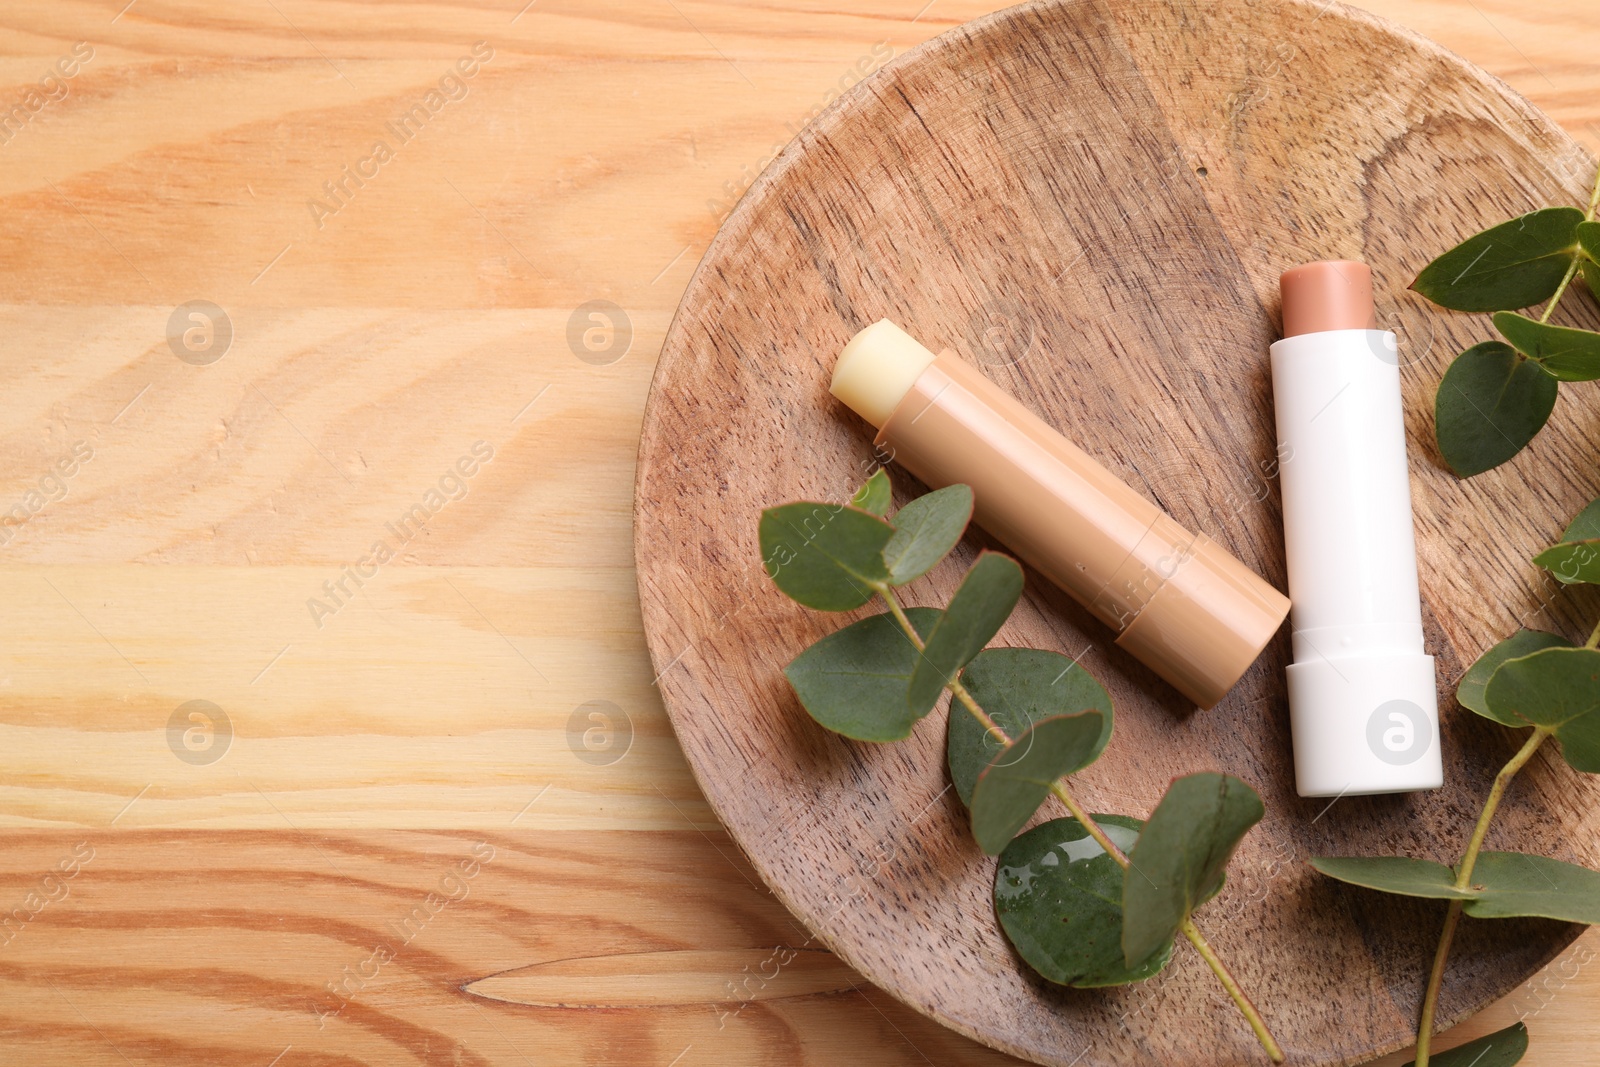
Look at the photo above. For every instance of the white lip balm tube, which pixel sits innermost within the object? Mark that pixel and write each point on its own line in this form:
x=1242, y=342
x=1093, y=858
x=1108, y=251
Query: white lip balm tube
x=1362, y=703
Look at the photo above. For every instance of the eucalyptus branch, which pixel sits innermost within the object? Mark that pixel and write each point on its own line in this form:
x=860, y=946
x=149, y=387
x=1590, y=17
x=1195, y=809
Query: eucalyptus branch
x=1059, y=788
x=1240, y=999
x=1496, y=396
x=1577, y=260
x=1430, y=1000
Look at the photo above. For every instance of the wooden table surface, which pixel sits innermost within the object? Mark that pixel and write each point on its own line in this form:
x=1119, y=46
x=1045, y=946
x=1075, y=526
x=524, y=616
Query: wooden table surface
x=324, y=693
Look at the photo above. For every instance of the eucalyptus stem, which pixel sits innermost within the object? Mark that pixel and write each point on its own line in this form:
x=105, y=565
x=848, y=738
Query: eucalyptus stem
x=1240, y=999
x=1430, y=1000
x=1062, y=793
x=1572, y=271
x=1065, y=796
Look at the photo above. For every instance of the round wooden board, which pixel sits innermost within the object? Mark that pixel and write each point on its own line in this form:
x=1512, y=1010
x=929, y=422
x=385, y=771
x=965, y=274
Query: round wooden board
x=1093, y=200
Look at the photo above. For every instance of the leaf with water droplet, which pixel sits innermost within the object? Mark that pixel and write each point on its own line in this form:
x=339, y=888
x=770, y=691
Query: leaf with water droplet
x=1059, y=899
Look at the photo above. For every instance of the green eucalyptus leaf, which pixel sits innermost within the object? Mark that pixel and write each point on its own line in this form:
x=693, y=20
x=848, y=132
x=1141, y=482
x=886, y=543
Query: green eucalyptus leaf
x=1566, y=354
x=1572, y=562
x=1512, y=884
x=1182, y=856
x=1490, y=404
x=875, y=494
x=1019, y=777
x=1580, y=744
x=1504, y=884
x=1549, y=688
x=1400, y=875
x=1522, y=643
x=1503, y=1048
x=974, y=615
x=1513, y=265
x=1589, y=241
x=854, y=680
x=1577, y=557
x=1559, y=689
x=925, y=531
x=1017, y=687
x=825, y=556
x=1058, y=896
x=1585, y=525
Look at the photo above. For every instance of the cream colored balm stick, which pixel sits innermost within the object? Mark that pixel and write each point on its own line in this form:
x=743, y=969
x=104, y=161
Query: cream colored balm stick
x=1362, y=704
x=1176, y=600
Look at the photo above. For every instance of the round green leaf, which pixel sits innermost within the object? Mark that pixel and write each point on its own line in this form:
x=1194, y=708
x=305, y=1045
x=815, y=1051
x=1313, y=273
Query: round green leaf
x=974, y=615
x=1503, y=1048
x=1019, y=777
x=925, y=531
x=854, y=681
x=1511, y=884
x=1550, y=687
x=1490, y=404
x=825, y=556
x=1017, y=687
x=1559, y=689
x=1182, y=856
x=1567, y=354
x=1522, y=643
x=1513, y=265
x=1401, y=875
x=1058, y=896
x=875, y=494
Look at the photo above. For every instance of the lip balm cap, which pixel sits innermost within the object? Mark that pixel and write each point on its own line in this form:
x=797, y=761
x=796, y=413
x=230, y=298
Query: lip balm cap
x=877, y=369
x=1331, y=294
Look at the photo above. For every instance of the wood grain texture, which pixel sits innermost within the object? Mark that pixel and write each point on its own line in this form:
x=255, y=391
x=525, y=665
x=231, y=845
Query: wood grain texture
x=1115, y=188
x=592, y=159
x=324, y=948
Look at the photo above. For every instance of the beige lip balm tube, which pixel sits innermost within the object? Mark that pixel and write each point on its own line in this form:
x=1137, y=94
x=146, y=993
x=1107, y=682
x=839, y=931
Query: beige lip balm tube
x=1177, y=601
